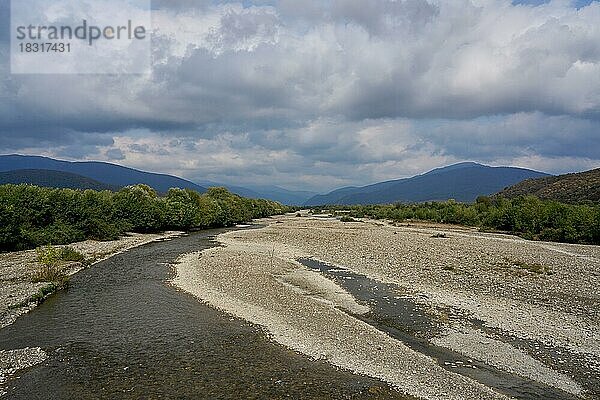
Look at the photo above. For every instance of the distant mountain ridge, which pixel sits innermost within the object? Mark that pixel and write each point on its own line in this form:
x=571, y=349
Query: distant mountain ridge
x=463, y=182
x=291, y=197
x=53, y=179
x=276, y=193
x=101, y=175
x=568, y=188
x=109, y=174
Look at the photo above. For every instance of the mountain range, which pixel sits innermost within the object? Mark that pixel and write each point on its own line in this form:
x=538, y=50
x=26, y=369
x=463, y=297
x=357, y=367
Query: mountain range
x=44, y=171
x=276, y=193
x=49, y=178
x=109, y=174
x=462, y=182
x=568, y=188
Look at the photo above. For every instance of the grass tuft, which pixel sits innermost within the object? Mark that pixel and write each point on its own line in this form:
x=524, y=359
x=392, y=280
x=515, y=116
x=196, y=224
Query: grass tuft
x=536, y=268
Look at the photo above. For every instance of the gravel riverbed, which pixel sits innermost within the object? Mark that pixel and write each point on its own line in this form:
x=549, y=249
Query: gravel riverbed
x=527, y=308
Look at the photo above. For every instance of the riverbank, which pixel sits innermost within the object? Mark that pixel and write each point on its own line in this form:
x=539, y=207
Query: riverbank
x=526, y=308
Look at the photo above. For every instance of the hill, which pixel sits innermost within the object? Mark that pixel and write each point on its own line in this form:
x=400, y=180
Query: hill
x=284, y=196
x=275, y=193
x=105, y=173
x=569, y=188
x=52, y=179
x=463, y=182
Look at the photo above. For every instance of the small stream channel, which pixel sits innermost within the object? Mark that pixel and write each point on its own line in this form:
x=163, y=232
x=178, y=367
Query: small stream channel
x=403, y=319
x=122, y=332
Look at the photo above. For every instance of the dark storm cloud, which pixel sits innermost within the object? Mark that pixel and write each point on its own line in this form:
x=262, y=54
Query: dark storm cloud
x=398, y=86
x=519, y=134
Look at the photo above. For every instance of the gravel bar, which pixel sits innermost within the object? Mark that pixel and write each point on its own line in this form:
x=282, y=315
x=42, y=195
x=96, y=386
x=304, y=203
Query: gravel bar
x=468, y=280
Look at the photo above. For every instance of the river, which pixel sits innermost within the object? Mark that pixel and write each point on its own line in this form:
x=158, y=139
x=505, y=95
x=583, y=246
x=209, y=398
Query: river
x=121, y=331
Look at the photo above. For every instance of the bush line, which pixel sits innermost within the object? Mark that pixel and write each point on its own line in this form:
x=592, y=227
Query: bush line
x=32, y=216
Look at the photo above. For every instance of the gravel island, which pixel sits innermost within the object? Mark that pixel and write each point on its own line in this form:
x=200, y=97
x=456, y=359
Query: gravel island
x=527, y=309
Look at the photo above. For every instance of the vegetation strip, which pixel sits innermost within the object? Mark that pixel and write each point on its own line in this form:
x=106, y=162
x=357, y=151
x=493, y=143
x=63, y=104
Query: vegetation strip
x=32, y=216
x=526, y=216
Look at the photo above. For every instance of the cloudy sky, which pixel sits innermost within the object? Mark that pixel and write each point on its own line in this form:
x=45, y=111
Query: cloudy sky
x=320, y=94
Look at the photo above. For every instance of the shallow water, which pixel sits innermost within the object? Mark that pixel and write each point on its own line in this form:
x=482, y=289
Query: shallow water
x=121, y=332
x=404, y=319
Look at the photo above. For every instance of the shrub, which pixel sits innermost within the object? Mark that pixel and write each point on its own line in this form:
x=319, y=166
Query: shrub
x=50, y=270
x=528, y=217
x=70, y=254
x=32, y=216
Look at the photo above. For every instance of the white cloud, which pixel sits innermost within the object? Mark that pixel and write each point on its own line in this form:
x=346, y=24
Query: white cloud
x=338, y=94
